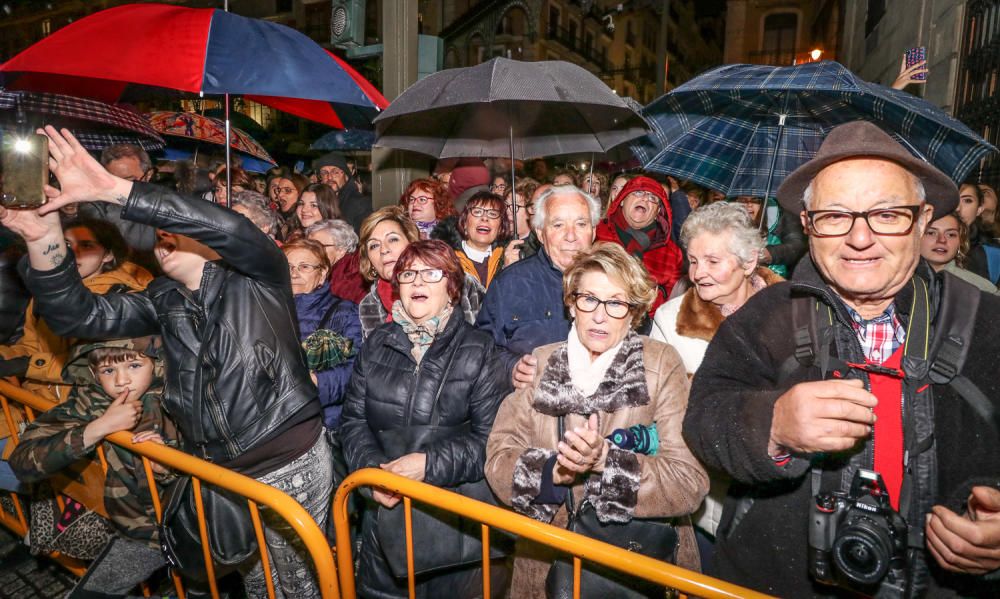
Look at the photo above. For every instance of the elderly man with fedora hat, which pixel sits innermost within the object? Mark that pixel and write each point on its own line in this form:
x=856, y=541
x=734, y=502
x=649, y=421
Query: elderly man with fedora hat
x=855, y=406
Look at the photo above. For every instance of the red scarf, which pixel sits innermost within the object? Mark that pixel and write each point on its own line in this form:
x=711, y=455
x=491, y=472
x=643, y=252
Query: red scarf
x=387, y=295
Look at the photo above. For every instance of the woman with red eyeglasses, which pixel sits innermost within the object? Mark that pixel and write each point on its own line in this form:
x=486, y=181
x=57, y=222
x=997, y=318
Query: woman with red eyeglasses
x=426, y=202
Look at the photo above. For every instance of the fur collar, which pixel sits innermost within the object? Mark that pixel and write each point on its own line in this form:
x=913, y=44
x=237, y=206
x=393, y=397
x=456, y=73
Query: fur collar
x=699, y=319
x=624, y=384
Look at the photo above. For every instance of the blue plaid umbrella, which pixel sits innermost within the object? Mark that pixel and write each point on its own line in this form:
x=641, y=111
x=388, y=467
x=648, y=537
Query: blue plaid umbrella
x=741, y=129
x=344, y=140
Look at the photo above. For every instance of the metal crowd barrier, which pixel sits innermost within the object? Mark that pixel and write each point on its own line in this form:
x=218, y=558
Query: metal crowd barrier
x=202, y=472
x=580, y=547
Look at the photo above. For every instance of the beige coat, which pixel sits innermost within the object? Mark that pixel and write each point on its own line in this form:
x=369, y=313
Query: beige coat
x=672, y=482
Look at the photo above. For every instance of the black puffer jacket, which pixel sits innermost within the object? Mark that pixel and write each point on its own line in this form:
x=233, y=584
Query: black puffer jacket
x=255, y=381
x=388, y=390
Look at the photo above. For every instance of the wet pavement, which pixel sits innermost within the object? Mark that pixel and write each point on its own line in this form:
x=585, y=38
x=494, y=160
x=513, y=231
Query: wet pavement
x=23, y=576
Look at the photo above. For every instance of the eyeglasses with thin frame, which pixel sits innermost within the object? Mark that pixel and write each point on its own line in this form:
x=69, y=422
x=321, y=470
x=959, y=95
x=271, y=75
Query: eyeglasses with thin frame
x=487, y=212
x=501, y=186
x=614, y=308
x=646, y=196
x=427, y=275
x=304, y=268
x=421, y=200
x=891, y=222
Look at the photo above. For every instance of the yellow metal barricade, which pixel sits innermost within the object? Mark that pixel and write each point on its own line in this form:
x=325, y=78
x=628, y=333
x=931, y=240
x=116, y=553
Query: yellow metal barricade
x=202, y=472
x=579, y=546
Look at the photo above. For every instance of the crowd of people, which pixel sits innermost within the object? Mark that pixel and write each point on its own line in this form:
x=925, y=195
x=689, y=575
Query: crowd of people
x=623, y=347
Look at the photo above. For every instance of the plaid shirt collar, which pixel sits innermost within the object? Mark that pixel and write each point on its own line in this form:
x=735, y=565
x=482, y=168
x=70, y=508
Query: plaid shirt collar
x=881, y=336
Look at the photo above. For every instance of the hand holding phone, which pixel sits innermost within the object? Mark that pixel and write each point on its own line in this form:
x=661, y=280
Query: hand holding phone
x=916, y=56
x=26, y=170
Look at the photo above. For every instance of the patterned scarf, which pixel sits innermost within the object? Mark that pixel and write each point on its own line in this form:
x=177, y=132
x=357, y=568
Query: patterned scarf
x=426, y=228
x=420, y=335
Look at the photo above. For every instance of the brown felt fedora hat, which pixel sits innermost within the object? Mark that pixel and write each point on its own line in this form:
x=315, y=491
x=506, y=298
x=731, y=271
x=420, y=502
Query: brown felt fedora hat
x=863, y=139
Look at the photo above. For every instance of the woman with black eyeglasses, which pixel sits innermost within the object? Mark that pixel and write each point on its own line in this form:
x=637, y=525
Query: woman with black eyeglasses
x=480, y=225
x=421, y=402
x=328, y=325
x=601, y=427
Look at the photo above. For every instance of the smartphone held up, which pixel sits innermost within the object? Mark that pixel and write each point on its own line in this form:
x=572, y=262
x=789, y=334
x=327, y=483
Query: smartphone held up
x=25, y=160
x=916, y=56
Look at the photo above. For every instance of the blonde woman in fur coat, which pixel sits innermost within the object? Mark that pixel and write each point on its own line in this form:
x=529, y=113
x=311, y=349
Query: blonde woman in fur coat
x=722, y=247
x=603, y=377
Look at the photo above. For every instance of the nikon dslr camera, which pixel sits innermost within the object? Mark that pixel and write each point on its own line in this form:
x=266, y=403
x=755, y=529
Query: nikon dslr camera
x=857, y=540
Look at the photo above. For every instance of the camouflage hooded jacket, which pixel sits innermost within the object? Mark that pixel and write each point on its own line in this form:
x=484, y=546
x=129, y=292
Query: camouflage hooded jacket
x=54, y=441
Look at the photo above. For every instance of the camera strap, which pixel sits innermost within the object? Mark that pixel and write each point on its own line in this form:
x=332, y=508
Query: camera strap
x=934, y=353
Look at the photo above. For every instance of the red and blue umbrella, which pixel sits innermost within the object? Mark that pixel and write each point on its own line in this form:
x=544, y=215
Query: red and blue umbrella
x=124, y=52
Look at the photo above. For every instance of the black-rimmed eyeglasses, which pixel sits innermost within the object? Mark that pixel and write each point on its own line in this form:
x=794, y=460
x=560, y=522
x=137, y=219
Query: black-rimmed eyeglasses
x=895, y=221
x=614, y=308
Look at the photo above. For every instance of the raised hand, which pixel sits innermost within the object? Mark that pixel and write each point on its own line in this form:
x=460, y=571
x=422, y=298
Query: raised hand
x=32, y=225
x=907, y=74
x=81, y=177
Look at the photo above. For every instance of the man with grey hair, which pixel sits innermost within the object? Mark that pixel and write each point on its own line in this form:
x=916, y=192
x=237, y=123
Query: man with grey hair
x=132, y=163
x=855, y=406
x=524, y=307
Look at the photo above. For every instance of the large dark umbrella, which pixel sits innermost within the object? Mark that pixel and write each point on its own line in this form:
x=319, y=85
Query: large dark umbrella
x=741, y=129
x=96, y=124
x=507, y=107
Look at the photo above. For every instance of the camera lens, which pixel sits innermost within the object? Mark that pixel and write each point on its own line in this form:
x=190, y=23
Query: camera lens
x=862, y=552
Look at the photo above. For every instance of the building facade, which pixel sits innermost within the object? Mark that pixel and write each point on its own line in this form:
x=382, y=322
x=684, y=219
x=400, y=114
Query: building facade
x=617, y=41
x=977, y=101
x=878, y=32
x=782, y=32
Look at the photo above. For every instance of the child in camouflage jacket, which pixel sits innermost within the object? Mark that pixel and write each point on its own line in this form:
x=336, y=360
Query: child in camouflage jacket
x=117, y=386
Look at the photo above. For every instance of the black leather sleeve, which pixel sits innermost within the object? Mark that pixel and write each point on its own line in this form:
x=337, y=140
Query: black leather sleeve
x=240, y=244
x=72, y=310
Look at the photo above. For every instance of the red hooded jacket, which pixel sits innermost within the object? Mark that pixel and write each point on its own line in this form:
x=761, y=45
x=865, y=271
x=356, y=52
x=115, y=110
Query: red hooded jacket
x=662, y=258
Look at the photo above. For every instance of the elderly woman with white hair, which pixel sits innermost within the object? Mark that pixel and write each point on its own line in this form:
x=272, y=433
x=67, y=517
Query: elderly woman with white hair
x=722, y=248
x=340, y=242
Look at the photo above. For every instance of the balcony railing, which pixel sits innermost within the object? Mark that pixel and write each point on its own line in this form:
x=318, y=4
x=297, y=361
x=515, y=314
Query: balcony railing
x=575, y=43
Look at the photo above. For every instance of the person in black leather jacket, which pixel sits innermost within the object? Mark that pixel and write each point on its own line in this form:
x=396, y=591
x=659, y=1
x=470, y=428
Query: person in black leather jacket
x=427, y=355
x=237, y=383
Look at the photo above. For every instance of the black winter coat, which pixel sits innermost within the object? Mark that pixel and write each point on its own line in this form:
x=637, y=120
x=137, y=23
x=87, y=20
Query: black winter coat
x=389, y=391
x=728, y=426
x=255, y=382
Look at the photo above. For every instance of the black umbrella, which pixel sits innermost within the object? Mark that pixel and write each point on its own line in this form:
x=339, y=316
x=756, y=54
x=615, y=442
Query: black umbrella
x=507, y=107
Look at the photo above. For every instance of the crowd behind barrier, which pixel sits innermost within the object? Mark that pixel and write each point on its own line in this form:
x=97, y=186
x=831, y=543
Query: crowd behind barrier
x=531, y=346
